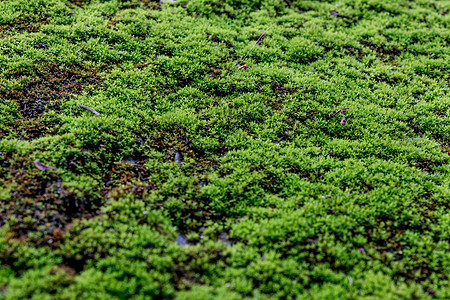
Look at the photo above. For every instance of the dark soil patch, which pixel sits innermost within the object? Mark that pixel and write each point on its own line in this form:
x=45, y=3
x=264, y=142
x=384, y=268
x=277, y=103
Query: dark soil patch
x=29, y=129
x=127, y=176
x=51, y=84
x=27, y=25
x=40, y=203
x=151, y=4
x=79, y=3
x=48, y=86
x=171, y=141
x=426, y=165
x=383, y=53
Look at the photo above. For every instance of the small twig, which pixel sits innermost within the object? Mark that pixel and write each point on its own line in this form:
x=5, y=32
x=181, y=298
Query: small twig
x=42, y=167
x=344, y=120
x=89, y=109
x=243, y=67
x=260, y=37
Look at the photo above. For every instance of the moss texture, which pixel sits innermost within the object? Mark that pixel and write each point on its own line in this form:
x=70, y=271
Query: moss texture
x=202, y=180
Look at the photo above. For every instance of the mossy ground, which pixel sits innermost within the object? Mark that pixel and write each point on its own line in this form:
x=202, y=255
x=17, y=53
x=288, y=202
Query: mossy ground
x=173, y=193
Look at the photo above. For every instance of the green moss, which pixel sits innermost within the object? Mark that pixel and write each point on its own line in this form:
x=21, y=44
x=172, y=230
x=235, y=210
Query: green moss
x=199, y=179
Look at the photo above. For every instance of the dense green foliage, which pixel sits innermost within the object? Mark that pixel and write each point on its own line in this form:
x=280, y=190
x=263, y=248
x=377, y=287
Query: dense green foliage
x=199, y=180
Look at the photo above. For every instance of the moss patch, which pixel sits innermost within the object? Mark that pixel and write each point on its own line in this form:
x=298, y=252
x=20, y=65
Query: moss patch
x=318, y=167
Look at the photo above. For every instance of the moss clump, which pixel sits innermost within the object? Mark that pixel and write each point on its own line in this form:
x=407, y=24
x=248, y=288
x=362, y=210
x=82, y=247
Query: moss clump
x=199, y=179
